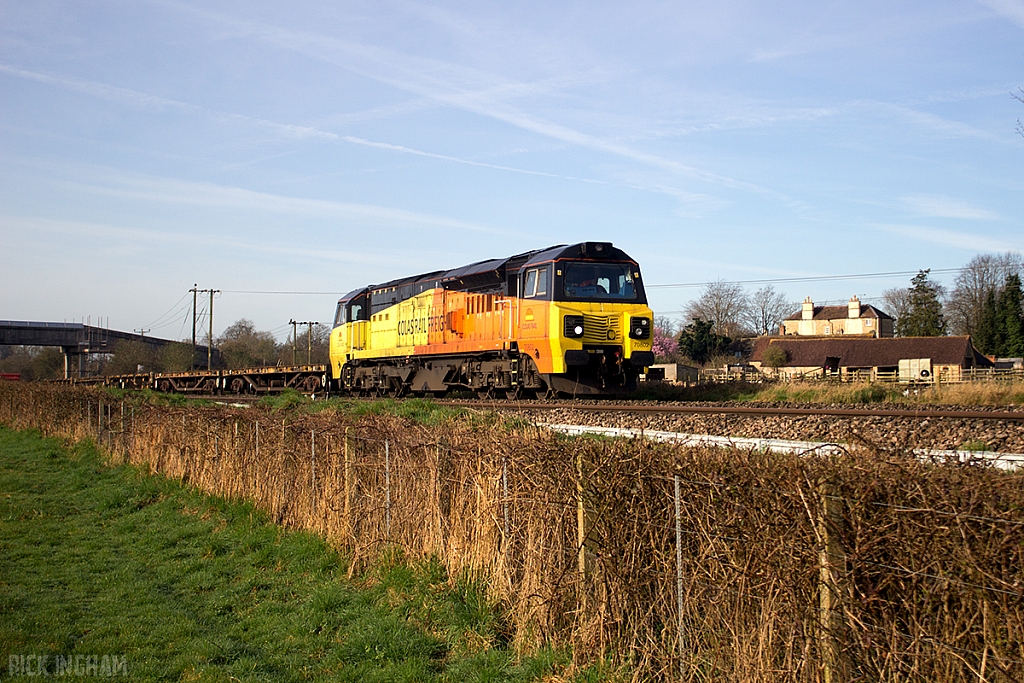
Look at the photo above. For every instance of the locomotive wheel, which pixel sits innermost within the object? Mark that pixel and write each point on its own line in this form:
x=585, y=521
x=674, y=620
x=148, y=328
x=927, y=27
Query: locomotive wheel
x=484, y=394
x=512, y=394
x=395, y=389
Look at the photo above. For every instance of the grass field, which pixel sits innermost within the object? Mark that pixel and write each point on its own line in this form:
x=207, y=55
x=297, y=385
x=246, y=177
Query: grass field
x=108, y=561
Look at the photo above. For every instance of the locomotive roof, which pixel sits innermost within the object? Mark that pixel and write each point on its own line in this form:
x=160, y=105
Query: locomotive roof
x=587, y=250
x=478, y=268
x=600, y=250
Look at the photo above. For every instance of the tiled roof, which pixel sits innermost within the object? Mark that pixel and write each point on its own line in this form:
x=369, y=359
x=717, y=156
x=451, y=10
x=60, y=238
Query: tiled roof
x=872, y=353
x=841, y=313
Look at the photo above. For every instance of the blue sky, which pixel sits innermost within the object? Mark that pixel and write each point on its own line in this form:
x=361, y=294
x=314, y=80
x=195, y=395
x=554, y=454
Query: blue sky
x=317, y=147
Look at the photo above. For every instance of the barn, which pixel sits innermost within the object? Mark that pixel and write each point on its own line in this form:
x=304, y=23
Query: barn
x=907, y=358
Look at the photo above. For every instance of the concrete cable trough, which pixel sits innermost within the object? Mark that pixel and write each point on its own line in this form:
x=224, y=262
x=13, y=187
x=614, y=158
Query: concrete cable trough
x=1006, y=461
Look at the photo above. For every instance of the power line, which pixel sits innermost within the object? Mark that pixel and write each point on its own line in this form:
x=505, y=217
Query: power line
x=254, y=291
x=170, y=314
x=815, y=278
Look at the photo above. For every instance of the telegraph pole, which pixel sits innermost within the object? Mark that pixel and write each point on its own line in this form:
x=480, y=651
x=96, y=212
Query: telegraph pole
x=194, y=291
x=309, y=339
x=294, y=324
x=209, y=345
x=142, y=331
x=309, y=342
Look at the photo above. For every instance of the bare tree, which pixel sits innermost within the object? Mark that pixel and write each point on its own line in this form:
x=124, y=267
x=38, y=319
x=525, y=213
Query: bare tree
x=723, y=303
x=1019, y=98
x=243, y=346
x=896, y=302
x=766, y=309
x=667, y=325
x=982, y=274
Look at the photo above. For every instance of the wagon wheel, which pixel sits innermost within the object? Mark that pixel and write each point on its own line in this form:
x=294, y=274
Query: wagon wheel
x=237, y=385
x=546, y=393
x=164, y=385
x=395, y=389
x=311, y=383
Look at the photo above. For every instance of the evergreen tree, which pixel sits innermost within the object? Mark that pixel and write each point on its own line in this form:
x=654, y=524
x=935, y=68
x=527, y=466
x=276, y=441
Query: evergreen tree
x=699, y=341
x=986, y=336
x=1010, y=319
x=924, y=317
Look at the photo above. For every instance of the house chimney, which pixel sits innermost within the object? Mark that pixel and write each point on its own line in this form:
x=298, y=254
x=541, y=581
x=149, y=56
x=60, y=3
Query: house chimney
x=808, y=311
x=854, y=307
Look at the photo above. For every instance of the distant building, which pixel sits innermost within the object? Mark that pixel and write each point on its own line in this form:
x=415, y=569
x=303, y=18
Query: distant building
x=852, y=319
x=910, y=358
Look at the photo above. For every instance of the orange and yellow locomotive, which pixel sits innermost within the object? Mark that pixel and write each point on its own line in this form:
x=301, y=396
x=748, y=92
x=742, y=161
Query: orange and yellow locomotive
x=567, y=320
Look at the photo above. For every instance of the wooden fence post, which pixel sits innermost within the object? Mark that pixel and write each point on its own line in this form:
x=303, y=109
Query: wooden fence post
x=831, y=585
x=387, y=489
x=348, y=485
x=581, y=520
x=504, y=502
x=679, y=574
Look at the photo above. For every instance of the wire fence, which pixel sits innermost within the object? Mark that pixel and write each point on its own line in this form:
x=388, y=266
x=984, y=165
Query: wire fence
x=694, y=564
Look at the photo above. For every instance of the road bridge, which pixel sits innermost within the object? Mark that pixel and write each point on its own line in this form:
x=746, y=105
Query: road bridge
x=76, y=340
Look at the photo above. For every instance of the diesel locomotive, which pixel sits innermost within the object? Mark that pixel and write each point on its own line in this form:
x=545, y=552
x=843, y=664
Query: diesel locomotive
x=569, y=320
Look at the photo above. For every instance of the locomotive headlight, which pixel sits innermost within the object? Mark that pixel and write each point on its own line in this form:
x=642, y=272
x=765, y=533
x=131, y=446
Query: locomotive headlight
x=573, y=326
x=640, y=328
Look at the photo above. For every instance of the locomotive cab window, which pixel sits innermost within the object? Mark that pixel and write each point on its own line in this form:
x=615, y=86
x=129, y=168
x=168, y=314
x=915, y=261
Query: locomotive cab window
x=339, y=316
x=357, y=310
x=600, y=281
x=536, y=284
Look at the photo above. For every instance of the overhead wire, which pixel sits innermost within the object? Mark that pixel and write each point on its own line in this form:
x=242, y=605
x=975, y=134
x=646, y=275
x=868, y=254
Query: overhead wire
x=810, y=278
x=169, y=315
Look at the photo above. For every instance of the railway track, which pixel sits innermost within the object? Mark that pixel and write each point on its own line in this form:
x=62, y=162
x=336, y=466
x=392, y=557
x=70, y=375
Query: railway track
x=929, y=412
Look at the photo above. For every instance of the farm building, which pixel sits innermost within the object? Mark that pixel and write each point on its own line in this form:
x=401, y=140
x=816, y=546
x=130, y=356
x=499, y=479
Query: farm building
x=851, y=319
x=907, y=358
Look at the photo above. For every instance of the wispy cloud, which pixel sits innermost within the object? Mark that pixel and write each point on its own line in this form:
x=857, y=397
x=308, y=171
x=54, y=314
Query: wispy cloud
x=141, y=99
x=933, y=122
x=444, y=157
x=101, y=90
x=464, y=88
x=1008, y=9
x=139, y=241
x=135, y=98
x=951, y=238
x=938, y=206
x=189, y=193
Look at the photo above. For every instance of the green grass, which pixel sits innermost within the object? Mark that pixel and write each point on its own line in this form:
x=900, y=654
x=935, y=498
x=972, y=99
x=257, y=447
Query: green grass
x=98, y=560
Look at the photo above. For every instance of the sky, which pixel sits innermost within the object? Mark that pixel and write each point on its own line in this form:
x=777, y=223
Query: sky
x=286, y=153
